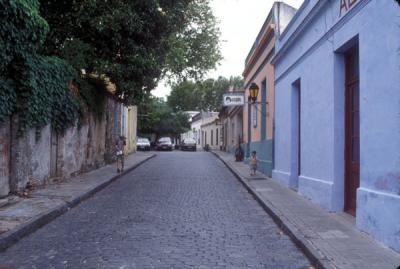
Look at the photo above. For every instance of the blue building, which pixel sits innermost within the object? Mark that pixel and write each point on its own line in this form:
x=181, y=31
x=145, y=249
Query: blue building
x=337, y=110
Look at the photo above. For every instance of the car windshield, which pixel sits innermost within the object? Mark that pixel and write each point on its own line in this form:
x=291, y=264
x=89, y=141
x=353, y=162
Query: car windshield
x=143, y=140
x=189, y=141
x=165, y=139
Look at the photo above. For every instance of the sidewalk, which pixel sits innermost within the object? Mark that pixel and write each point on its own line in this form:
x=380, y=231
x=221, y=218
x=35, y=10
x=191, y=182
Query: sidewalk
x=330, y=240
x=23, y=216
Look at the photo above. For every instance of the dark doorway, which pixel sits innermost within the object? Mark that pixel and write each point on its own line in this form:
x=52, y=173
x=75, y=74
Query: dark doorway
x=352, y=130
x=296, y=135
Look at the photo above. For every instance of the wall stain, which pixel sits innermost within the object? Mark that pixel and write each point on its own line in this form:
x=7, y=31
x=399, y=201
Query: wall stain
x=390, y=182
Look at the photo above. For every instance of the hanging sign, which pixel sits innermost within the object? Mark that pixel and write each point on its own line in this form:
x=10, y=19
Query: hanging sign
x=233, y=99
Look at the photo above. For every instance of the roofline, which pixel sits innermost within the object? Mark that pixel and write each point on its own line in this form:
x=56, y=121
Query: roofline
x=255, y=43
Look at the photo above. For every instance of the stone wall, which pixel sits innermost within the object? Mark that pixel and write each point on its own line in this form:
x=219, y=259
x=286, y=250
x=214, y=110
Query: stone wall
x=4, y=158
x=72, y=148
x=29, y=156
x=41, y=155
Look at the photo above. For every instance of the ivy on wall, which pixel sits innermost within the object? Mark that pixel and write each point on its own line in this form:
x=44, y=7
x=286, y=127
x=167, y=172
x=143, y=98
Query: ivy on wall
x=33, y=86
x=43, y=94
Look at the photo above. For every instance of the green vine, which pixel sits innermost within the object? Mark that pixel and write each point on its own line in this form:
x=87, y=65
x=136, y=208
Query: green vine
x=8, y=98
x=43, y=94
x=38, y=88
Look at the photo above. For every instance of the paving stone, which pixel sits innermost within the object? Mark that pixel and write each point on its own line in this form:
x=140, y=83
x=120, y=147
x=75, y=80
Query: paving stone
x=178, y=210
x=332, y=238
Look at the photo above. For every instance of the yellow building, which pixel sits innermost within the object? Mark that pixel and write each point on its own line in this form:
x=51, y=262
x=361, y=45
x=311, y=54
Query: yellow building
x=129, y=127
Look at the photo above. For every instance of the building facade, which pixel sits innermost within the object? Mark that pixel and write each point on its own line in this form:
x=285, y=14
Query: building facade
x=231, y=126
x=258, y=116
x=197, y=121
x=337, y=107
x=129, y=127
x=210, y=132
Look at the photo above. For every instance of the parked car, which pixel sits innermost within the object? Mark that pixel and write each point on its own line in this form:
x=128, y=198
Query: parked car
x=164, y=143
x=188, y=144
x=143, y=144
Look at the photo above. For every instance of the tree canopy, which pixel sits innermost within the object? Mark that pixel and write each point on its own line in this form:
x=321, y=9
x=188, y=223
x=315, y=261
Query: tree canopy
x=45, y=44
x=134, y=43
x=155, y=116
x=203, y=95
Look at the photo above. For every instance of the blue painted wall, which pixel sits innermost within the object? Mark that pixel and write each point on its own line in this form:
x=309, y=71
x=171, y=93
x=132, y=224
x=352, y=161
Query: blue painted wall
x=264, y=155
x=320, y=36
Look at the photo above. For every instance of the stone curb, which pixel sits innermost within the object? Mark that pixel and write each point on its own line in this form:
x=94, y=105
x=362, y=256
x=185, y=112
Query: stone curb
x=11, y=237
x=312, y=253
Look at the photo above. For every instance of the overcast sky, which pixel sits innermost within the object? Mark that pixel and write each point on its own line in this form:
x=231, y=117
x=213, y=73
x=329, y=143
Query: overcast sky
x=240, y=22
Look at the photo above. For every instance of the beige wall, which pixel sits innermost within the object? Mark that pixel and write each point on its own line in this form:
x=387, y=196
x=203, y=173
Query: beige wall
x=132, y=129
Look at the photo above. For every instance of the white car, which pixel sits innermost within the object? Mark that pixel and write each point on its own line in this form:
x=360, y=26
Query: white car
x=143, y=144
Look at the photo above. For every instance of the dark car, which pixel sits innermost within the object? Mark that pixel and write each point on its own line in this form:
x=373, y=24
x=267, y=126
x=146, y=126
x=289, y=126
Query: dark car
x=188, y=144
x=143, y=144
x=164, y=143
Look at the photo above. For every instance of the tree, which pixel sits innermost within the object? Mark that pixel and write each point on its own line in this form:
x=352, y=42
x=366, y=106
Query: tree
x=196, y=45
x=202, y=95
x=134, y=43
x=155, y=116
x=185, y=96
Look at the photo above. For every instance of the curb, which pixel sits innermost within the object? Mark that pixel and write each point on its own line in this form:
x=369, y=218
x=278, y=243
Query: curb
x=76, y=200
x=11, y=237
x=315, y=257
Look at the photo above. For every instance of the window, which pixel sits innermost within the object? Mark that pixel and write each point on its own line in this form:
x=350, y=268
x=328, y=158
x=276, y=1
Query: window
x=212, y=137
x=216, y=137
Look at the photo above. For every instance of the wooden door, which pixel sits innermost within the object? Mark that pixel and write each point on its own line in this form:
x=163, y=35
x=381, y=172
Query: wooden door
x=352, y=131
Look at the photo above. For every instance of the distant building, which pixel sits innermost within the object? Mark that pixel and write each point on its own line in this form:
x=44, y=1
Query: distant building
x=337, y=105
x=197, y=121
x=210, y=131
x=231, y=119
x=129, y=127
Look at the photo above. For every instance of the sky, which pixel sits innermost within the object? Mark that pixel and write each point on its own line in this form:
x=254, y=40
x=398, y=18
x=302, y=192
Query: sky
x=239, y=23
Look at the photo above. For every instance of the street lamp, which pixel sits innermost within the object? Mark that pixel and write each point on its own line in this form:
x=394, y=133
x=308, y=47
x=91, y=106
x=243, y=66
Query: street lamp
x=253, y=92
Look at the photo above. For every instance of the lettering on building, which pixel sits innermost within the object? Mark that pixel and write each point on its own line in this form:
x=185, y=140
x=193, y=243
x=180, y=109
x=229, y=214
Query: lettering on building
x=346, y=5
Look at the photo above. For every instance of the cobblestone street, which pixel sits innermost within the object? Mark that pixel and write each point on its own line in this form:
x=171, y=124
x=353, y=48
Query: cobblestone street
x=178, y=210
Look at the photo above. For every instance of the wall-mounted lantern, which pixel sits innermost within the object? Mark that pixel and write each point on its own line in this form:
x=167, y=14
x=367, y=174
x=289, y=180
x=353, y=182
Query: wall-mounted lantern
x=254, y=89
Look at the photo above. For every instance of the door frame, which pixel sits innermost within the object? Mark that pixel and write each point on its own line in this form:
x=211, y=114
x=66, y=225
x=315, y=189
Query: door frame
x=349, y=164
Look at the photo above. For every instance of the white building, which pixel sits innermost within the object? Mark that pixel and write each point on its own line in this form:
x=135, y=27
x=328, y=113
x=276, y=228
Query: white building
x=198, y=120
x=210, y=132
